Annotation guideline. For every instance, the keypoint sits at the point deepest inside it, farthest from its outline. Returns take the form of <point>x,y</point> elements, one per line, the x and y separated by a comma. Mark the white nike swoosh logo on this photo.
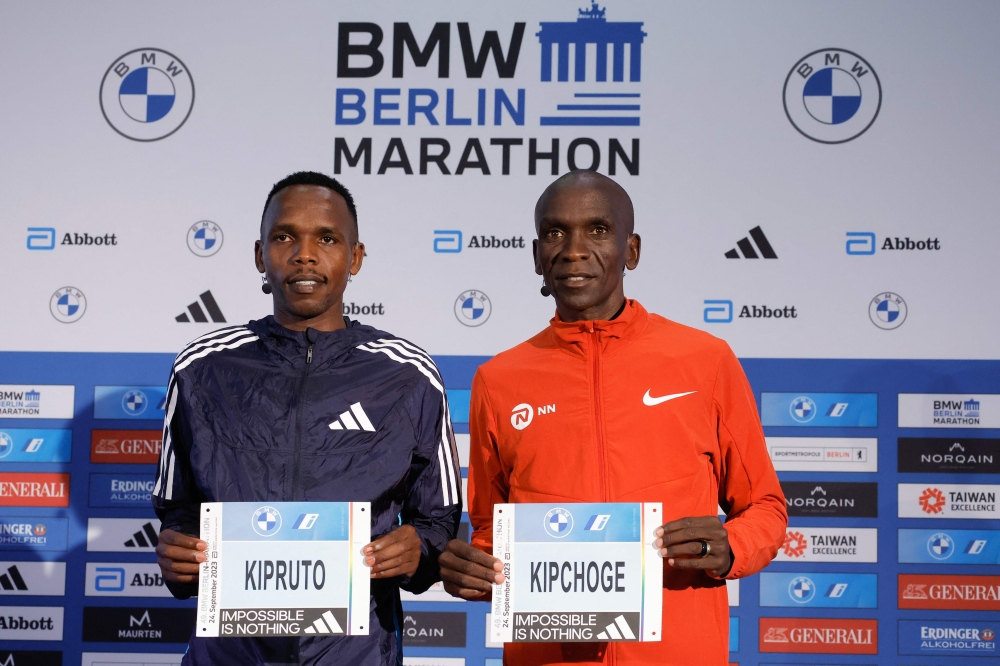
<point>650,401</point>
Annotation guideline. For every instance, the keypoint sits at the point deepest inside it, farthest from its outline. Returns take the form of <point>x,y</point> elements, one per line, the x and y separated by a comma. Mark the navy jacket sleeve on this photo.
<point>176,497</point>
<point>434,495</point>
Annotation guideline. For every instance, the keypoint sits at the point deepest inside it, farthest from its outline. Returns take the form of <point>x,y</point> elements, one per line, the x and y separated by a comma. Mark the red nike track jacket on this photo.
<point>600,431</point>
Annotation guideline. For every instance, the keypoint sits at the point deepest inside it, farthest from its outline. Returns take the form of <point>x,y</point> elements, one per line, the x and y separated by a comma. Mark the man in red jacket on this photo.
<point>611,403</point>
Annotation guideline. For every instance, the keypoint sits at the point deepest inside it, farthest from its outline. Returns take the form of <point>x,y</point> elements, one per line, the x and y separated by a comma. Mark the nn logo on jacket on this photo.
<point>353,419</point>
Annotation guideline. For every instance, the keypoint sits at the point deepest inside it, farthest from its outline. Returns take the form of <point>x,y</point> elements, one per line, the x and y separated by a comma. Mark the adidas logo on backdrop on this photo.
<point>747,248</point>
<point>198,314</point>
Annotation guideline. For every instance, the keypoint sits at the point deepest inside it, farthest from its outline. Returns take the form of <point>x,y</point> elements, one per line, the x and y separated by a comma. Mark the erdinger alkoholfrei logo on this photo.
<point>887,310</point>
<point>832,95</point>
<point>940,546</point>
<point>558,522</point>
<point>147,94</point>
<point>68,305</point>
<point>473,308</point>
<point>266,521</point>
<point>204,238</point>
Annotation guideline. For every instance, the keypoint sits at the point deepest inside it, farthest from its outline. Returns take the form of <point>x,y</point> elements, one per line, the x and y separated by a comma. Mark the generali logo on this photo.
<point>34,489</point>
<point>125,446</point>
<point>949,592</point>
<point>818,636</point>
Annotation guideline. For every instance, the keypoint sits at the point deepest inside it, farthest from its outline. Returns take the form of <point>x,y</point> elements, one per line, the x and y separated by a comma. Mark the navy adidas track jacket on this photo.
<point>262,413</point>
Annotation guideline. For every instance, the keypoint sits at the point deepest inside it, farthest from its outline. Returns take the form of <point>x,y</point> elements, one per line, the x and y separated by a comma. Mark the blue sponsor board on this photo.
<point>33,533</point>
<point>617,522</point>
<point>819,590</point>
<point>830,410</point>
<point>734,634</point>
<point>34,445</point>
<point>949,546</point>
<point>114,490</point>
<point>286,521</point>
<point>130,402</point>
<point>972,638</point>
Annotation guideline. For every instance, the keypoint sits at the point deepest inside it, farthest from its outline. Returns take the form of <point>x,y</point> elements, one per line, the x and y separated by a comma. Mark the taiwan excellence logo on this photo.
<point>68,305</point>
<point>802,409</point>
<point>204,238</point>
<point>266,521</point>
<point>832,96</point>
<point>887,310</point>
<point>147,94</point>
<point>558,522</point>
<point>473,308</point>
<point>932,501</point>
<point>795,544</point>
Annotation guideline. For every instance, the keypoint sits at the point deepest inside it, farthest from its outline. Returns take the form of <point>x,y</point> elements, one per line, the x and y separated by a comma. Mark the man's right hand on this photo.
<point>179,556</point>
<point>468,573</point>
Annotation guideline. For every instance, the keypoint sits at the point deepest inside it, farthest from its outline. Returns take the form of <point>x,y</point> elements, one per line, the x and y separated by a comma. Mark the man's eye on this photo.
<point>600,230</point>
<point>329,239</point>
<point>282,237</point>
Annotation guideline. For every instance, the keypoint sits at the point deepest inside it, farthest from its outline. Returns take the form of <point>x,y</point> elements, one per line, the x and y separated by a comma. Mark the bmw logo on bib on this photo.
<point>802,409</point>
<point>802,590</point>
<point>558,522</point>
<point>266,521</point>
<point>832,96</point>
<point>147,94</point>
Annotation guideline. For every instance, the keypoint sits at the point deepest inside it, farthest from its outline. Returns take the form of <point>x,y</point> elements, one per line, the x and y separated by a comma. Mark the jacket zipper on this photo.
<point>599,413</point>
<point>298,418</point>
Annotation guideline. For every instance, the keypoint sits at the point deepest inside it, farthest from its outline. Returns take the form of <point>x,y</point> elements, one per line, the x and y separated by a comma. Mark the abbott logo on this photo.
<point>41,238</point>
<point>447,241</point>
<point>718,312</point>
<point>521,415</point>
<point>860,242</point>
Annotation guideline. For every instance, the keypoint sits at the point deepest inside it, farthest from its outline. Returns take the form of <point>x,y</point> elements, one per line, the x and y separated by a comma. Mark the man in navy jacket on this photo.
<point>306,405</point>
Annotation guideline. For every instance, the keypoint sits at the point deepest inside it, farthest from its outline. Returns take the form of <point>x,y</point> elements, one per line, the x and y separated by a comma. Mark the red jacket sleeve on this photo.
<point>749,491</point>
<point>488,480</point>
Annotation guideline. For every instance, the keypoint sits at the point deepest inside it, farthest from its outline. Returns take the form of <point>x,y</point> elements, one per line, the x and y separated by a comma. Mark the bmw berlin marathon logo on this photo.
<point>832,96</point>
<point>204,238</point>
<point>68,305</point>
<point>558,523</point>
<point>472,308</point>
<point>887,310</point>
<point>266,521</point>
<point>147,94</point>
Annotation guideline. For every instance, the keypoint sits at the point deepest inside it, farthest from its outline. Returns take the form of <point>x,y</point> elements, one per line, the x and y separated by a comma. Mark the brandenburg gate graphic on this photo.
<point>591,27</point>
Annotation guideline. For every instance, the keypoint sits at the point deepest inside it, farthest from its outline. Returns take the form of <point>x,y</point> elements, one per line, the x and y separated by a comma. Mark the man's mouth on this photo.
<point>574,278</point>
<point>305,284</point>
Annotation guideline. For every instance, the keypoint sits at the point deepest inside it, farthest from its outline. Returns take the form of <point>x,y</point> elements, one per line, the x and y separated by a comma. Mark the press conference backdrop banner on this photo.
<point>815,183</point>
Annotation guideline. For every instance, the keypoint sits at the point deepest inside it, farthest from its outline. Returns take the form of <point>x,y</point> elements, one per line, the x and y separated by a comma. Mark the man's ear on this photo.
<point>534,255</point>
<point>634,249</point>
<point>258,255</point>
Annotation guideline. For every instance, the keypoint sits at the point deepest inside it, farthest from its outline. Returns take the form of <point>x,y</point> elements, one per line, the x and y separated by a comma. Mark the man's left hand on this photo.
<point>395,554</point>
<point>681,543</point>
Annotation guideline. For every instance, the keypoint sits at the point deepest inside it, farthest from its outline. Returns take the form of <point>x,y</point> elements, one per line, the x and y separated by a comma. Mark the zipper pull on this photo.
<point>309,355</point>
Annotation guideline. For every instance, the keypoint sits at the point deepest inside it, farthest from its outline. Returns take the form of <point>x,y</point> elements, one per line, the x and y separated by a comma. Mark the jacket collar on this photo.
<point>578,336</point>
<point>292,345</point>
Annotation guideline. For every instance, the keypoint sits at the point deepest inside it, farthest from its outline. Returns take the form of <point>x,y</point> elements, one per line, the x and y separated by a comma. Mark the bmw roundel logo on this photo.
<point>204,238</point>
<point>6,444</point>
<point>832,95</point>
<point>134,402</point>
<point>473,308</point>
<point>802,589</point>
<point>147,94</point>
<point>266,521</point>
<point>68,305</point>
<point>558,522</point>
<point>802,409</point>
<point>887,310</point>
<point>940,546</point>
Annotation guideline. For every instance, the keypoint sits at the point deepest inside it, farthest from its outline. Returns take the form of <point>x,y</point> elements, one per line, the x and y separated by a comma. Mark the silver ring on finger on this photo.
<point>706,548</point>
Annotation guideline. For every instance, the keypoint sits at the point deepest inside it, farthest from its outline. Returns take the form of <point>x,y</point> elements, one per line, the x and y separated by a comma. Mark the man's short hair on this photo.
<point>311,178</point>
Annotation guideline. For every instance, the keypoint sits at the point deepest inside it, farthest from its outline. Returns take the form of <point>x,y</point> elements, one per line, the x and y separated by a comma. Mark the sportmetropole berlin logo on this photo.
<point>147,94</point>
<point>832,96</point>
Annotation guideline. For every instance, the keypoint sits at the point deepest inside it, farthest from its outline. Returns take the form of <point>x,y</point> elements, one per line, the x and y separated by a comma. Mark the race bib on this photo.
<point>577,573</point>
<point>284,569</point>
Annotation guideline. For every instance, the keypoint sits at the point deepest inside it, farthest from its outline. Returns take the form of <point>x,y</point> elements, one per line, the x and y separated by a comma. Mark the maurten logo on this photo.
<point>144,538</point>
<point>353,419</point>
<point>68,305</point>
<point>558,522</point>
<point>747,248</point>
<point>887,310</point>
<point>204,238</point>
<point>198,314</point>
<point>832,96</point>
<point>266,521</point>
<point>147,94</point>
<point>473,308</point>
